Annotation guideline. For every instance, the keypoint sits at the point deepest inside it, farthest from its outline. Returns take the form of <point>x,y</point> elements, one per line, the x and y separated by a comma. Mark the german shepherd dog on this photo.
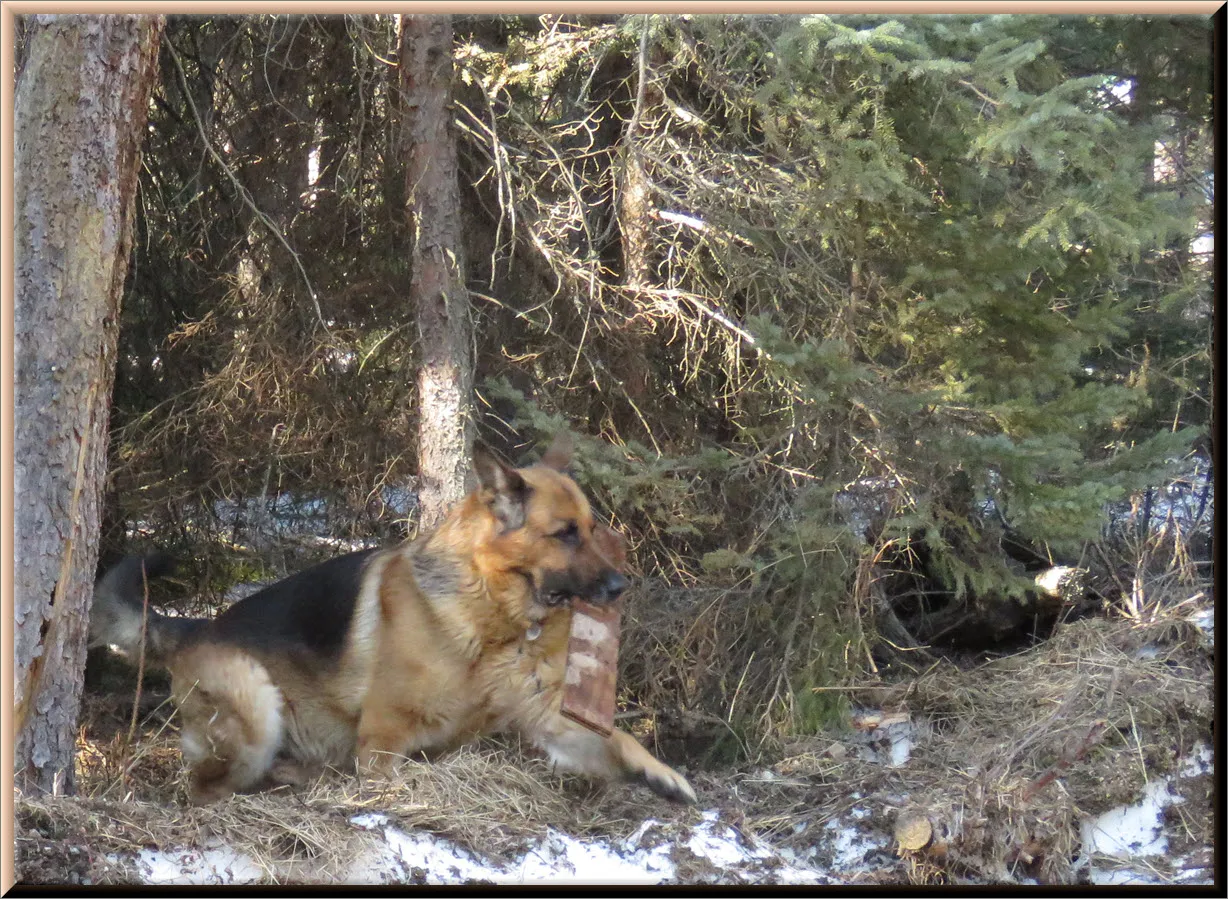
<point>378,654</point>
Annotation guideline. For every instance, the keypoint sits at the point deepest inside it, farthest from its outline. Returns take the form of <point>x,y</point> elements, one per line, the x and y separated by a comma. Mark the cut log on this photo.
<point>1061,582</point>
<point>913,831</point>
<point>919,831</point>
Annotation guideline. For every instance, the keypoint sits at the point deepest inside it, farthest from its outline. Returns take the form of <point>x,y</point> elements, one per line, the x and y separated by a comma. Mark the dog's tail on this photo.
<point>119,613</point>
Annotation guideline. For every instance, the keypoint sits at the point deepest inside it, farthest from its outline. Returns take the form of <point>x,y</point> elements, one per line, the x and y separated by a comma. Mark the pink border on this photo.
<point>7,34</point>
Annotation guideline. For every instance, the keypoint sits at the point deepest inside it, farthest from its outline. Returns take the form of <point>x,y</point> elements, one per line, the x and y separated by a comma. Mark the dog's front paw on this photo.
<point>293,773</point>
<point>206,792</point>
<point>667,782</point>
<point>376,764</point>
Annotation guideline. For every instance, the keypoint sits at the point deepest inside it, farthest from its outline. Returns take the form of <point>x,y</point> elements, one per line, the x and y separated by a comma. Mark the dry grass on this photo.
<point>489,798</point>
<point>1013,753</point>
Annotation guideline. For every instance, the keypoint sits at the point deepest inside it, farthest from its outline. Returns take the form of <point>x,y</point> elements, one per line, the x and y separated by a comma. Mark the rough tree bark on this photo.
<point>437,286</point>
<point>80,113</point>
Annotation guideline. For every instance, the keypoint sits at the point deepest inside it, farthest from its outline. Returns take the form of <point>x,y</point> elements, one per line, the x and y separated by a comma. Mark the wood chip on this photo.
<point>591,674</point>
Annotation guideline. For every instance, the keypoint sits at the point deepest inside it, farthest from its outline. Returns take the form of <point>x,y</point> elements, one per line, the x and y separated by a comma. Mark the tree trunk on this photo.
<point>634,199</point>
<point>437,286</point>
<point>80,115</point>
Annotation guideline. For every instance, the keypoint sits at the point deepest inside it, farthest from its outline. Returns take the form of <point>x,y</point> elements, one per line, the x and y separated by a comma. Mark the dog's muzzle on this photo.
<point>607,590</point>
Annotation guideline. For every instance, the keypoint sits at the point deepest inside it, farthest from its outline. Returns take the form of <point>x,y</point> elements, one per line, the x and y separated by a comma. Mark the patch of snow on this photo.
<point>1197,762</point>
<point>1204,620</point>
<point>1126,845</point>
<point>901,748</point>
<point>722,849</point>
<point>850,845</point>
<point>1132,830</point>
<point>1132,834</point>
<point>427,858</point>
<point>562,859</point>
<point>558,858</point>
<point>340,544</point>
<point>214,864</point>
<point>411,856</point>
<point>842,848</point>
<point>721,845</point>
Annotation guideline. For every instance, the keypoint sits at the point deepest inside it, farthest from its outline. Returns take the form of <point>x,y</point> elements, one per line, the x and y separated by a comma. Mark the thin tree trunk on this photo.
<point>633,211</point>
<point>437,286</point>
<point>80,114</point>
<point>634,199</point>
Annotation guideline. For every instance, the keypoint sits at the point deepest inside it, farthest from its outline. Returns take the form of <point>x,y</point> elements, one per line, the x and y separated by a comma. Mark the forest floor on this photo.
<point>1085,759</point>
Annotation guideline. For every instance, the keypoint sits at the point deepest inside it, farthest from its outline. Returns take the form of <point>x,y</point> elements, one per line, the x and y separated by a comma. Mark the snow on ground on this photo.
<point>651,855</point>
<point>1126,845</point>
<point>1204,620</point>
<point>1123,845</point>
<point>213,864</point>
<point>561,859</point>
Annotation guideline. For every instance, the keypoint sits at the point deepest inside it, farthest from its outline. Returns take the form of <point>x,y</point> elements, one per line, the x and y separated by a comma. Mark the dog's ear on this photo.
<point>507,492</point>
<point>558,456</point>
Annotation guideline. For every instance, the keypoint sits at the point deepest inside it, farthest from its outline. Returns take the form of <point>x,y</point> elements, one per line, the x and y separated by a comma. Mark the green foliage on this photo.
<point>995,198</point>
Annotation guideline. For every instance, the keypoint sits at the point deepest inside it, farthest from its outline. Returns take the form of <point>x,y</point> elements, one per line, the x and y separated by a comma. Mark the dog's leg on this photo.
<point>231,719</point>
<point>386,735</point>
<point>578,749</point>
<point>294,772</point>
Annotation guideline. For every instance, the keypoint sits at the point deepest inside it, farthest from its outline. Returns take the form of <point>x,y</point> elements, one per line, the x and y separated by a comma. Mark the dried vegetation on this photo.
<point>1009,757</point>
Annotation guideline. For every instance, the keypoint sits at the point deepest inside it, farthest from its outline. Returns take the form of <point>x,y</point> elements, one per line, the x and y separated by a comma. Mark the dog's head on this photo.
<point>544,529</point>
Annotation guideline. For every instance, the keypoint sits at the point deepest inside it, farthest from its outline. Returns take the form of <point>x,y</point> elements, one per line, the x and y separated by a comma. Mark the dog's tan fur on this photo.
<point>453,635</point>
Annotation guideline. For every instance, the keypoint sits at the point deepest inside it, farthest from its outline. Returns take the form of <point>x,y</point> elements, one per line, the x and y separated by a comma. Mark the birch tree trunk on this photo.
<point>437,286</point>
<point>80,114</point>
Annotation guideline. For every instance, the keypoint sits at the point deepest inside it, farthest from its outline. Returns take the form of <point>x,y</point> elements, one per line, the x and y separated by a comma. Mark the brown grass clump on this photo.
<point>1019,749</point>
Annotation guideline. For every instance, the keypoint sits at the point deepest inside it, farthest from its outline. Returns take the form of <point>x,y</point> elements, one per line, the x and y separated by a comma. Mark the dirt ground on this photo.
<point>1023,769</point>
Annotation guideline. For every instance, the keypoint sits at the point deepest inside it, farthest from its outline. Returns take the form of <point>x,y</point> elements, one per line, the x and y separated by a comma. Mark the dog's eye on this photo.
<point>569,535</point>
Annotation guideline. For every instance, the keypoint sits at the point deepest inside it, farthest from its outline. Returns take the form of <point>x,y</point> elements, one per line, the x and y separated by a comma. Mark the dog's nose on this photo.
<point>615,584</point>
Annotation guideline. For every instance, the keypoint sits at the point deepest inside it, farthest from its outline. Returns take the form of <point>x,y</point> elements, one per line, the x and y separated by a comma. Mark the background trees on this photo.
<point>865,319</point>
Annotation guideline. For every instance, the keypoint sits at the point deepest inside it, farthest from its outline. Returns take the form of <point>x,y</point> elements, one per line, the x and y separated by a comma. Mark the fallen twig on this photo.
<point>1089,740</point>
